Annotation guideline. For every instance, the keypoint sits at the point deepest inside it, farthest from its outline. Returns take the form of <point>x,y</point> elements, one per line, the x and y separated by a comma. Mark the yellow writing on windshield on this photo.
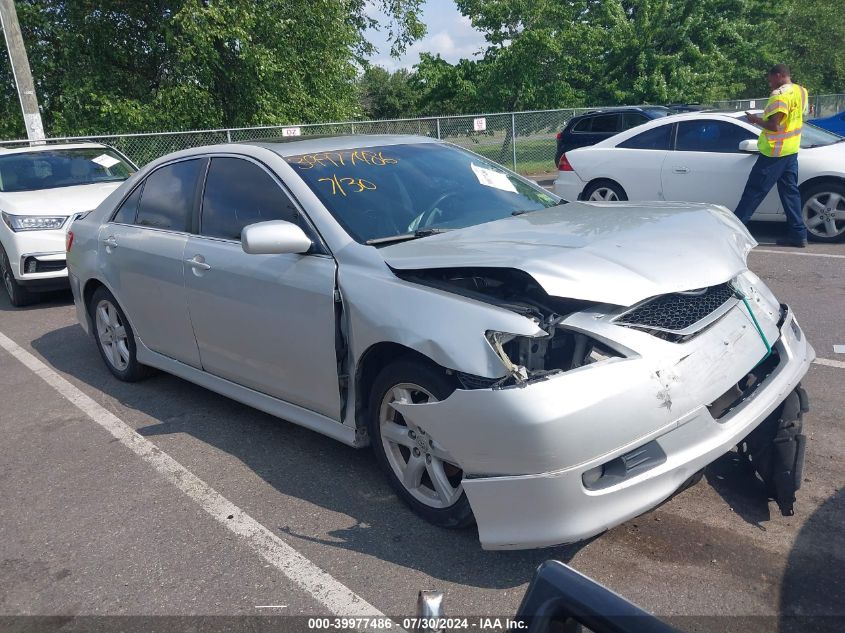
<point>353,185</point>
<point>341,159</point>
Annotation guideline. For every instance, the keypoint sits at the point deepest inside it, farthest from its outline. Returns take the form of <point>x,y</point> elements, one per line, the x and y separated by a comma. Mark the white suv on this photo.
<point>42,189</point>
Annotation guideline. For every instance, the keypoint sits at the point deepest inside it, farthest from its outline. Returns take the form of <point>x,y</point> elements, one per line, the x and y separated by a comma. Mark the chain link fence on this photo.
<point>820,105</point>
<point>524,141</point>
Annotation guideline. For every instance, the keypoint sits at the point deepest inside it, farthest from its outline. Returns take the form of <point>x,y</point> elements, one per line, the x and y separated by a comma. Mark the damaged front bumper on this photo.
<point>563,459</point>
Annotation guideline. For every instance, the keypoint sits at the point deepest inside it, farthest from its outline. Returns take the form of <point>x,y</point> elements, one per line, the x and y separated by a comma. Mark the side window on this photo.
<point>168,197</point>
<point>606,124</point>
<point>709,135</point>
<point>583,125</point>
<point>632,119</point>
<point>657,138</point>
<point>127,211</point>
<point>238,193</point>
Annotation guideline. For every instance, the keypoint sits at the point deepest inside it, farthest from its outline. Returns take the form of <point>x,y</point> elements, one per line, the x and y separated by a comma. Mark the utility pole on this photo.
<point>21,71</point>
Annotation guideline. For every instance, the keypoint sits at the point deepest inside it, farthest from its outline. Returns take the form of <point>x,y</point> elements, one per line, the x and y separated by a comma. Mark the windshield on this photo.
<point>384,192</point>
<point>811,136</point>
<point>48,169</point>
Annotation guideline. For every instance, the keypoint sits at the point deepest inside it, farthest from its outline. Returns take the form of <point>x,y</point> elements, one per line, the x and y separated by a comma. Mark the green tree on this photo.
<point>122,65</point>
<point>444,88</point>
<point>540,54</point>
<point>582,52</point>
<point>386,95</point>
<point>811,44</point>
<point>691,50</point>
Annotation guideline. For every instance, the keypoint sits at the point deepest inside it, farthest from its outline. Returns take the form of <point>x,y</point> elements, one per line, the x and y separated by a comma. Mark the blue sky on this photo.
<point>449,33</point>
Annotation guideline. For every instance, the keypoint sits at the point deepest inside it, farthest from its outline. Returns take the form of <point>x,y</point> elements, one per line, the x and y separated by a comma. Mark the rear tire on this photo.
<point>823,211</point>
<point>18,295</point>
<point>604,191</point>
<point>115,338</point>
<point>419,469</point>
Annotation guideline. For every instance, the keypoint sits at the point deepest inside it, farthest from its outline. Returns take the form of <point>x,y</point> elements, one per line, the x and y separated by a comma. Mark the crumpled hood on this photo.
<point>57,201</point>
<point>604,252</point>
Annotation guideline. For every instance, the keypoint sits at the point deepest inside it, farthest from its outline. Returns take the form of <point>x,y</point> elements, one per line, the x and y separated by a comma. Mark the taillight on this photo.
<point>559,135</point>
<point>68,241</point>
<point>563,164</point>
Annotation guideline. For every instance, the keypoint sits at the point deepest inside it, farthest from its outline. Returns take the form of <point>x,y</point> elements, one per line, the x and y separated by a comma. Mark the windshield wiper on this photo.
<point>524,211</point>
<point>405,236</point>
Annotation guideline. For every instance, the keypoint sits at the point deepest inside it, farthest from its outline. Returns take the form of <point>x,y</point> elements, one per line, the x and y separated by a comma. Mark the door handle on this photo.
<point>681,170</point>
<point>196,262</point>
<point>110,241</point>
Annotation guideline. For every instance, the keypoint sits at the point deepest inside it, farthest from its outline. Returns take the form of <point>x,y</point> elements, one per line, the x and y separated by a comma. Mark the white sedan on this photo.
<point>706,157</point>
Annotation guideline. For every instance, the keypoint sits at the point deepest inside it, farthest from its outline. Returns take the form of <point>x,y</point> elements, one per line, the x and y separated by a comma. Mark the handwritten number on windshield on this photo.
<point>337,159</point>
<point>355,185</point>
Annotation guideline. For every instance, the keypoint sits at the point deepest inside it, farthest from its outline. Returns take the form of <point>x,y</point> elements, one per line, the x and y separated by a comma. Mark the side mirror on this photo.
<point>748,145</point>
<point>275,237</point>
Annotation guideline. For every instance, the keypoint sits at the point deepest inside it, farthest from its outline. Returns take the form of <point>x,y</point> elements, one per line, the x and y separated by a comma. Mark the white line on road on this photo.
<point>786,252</point>
<point>336,596</point>
<point>830,363</point>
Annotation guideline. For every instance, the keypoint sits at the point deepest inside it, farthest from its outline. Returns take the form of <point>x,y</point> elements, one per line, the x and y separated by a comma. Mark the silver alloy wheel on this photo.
<point>425,468</point>
<point>604,194</point>
<point>824,214</point>
<point>111,334</point>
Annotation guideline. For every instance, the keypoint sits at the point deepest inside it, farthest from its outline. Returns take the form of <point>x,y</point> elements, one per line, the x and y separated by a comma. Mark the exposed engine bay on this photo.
<point>525,358</point>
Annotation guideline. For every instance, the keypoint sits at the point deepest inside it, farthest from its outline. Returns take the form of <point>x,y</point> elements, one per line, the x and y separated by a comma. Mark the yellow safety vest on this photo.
<point>791,100</point>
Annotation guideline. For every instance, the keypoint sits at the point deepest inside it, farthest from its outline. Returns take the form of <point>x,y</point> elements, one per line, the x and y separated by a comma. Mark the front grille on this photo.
<point>678,311</point>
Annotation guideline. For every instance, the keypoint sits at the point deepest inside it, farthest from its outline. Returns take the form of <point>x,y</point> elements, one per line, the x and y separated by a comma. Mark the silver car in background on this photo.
<point>547,370</point>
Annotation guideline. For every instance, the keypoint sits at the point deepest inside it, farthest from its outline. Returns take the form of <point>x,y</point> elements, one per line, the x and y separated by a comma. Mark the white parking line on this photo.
<point>786,252</point>
<point>321,586</point>
<point>830,363</point>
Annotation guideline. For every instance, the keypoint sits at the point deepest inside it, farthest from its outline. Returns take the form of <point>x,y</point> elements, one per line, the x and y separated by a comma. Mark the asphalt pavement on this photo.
<point>216,509</point>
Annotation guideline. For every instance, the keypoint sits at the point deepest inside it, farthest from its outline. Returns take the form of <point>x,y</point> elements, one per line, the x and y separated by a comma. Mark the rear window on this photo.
<point>657,138</point>
<point>49,169</point>
<point>632,119</point>
<point>605,124</point>
<point>168,197</point>
<point>583,125</point>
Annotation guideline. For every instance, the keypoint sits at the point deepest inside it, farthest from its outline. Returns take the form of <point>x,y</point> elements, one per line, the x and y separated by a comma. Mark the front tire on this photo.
<point>419,469</point>
<point>823,211</point>
<point>18,295</point>
<point>115,338</point>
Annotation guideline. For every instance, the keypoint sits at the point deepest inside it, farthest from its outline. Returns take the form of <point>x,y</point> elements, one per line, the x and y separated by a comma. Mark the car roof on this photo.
<point>292,146</point>
<point>46,147</point>
<point>613,109</point>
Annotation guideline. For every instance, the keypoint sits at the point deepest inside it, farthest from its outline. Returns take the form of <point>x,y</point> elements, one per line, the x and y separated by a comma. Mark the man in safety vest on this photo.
<point>778,161</point>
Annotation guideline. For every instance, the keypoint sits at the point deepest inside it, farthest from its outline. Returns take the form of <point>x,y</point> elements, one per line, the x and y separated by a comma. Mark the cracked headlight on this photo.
<point>33,222</point>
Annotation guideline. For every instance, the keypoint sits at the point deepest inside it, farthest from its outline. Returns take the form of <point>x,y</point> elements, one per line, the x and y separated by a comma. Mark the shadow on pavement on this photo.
<point>44,300</point>
<point>741,489</point>
<point>812,596</point>
<point>304,465</point>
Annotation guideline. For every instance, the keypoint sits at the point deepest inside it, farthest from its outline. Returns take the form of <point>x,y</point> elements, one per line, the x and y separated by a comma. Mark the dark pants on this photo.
<point>765,173</point>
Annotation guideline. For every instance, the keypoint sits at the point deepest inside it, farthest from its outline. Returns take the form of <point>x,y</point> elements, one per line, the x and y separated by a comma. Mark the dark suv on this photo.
<point>596,125</point>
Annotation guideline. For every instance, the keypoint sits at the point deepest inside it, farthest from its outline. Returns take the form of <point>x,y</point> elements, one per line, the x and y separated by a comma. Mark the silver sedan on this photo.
<point>546,370</point>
